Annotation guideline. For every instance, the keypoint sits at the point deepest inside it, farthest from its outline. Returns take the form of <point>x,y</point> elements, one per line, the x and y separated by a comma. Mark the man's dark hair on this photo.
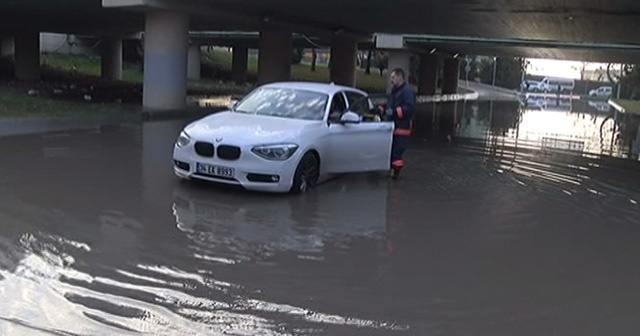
<point>399,72</point>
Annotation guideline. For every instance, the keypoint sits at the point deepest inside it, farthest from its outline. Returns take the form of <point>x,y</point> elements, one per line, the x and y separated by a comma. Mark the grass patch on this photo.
<point>19,105</point>
<point>60,70</point>
<point>86,65</point>
<point>372,82</point>
<point>630,106</point>
<point>220,60</point>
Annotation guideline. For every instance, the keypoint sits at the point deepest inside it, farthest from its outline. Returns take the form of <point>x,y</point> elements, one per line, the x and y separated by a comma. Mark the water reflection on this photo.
<point>546,123</point>
<point>243,227</point>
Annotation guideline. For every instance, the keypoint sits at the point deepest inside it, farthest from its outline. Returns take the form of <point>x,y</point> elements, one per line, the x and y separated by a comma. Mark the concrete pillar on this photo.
<point>27,56</point>
<point>111,58</point>
<point>166,44</point>
<point>274,62</point>
<point>6,46</point>
<point>450,75</point>
<point>399,59</point>
<point>239,63</point>
<point>194,62</point>
<point>343,62</point>
<point>428,74</point>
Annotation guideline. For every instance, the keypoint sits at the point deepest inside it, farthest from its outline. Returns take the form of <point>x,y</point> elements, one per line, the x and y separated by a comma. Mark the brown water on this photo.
<point>527,223</point>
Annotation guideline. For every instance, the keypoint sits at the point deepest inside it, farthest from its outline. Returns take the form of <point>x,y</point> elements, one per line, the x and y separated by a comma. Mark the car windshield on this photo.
<point>285,102</point>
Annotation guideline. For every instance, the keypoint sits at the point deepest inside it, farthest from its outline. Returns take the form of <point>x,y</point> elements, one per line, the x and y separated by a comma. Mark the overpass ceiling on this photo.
<point>615,21</point>
<point>567,20</point>
<point>631,56</point>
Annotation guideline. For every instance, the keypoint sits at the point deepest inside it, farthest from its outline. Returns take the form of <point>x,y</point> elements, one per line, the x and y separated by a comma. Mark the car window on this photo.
<point>284,102</point>
<point>338,106</point>
<point>358,103</point>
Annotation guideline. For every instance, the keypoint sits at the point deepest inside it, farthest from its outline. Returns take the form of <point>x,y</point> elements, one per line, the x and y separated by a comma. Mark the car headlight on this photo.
<point>183,139</point>
<point>279,152</point>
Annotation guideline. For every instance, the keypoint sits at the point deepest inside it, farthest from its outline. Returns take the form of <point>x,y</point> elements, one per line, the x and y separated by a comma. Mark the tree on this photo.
<point>509,70</point>
<point>296,57</point>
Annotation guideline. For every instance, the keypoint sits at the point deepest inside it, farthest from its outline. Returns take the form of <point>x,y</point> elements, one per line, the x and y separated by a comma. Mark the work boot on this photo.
<point>394,172</point>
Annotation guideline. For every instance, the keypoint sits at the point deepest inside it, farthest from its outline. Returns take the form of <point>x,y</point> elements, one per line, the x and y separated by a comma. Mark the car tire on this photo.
<point>306,175</point>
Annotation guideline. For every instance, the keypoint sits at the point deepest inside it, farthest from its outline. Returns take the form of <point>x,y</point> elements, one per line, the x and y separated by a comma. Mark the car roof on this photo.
<point>328,88</point>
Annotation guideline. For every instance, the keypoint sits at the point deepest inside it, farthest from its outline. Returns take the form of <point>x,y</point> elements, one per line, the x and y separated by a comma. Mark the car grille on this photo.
<point>227,152</point>
<point>204,149</point>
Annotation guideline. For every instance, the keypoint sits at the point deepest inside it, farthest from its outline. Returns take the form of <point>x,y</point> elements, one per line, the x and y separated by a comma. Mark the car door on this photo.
<point>361,147</point>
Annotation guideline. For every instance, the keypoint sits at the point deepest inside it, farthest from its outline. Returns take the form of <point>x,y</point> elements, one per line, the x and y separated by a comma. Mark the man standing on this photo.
<point>400,109</point>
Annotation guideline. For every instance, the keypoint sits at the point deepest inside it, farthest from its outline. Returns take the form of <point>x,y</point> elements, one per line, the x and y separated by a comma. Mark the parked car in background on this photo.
<point>529,85</point>
<point>603,91</point>
<point>556,85</point>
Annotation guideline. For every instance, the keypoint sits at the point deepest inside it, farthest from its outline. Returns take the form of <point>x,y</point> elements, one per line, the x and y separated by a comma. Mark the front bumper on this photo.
<point>250,171</point>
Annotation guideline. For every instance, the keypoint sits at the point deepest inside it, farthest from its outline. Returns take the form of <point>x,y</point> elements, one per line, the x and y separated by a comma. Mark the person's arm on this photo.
<point>407,107</point>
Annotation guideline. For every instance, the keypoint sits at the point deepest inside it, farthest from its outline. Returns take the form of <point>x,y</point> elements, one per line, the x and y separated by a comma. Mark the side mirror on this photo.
<point>350,118</point>
<point>232,104</point>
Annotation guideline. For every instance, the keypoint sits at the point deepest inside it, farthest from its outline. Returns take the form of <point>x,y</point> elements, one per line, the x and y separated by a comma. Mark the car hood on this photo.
<point>247,128</point>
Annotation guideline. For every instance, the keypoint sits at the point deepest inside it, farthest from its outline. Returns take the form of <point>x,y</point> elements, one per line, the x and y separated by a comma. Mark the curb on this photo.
<point>28,126</point>
<point>31,126</point>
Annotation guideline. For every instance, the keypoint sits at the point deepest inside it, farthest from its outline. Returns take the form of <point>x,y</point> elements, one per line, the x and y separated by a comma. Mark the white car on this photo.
<point>286,137</point>
<point>603,91</point>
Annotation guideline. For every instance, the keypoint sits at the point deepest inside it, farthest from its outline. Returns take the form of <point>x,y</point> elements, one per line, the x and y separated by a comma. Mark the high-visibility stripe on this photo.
<point>398,163</point>
<point>400,112</point>
<point>402,131</point>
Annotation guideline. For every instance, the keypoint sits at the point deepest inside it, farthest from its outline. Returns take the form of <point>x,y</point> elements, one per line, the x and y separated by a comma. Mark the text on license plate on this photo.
<point>215,170</point>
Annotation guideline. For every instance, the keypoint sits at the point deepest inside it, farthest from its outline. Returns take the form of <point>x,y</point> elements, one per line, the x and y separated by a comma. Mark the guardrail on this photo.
<point>616,106</point>
<point>376,99</point>
<point>436,99</point>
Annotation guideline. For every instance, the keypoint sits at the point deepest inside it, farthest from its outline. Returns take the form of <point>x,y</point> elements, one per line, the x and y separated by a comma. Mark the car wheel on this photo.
<point>306,175</point>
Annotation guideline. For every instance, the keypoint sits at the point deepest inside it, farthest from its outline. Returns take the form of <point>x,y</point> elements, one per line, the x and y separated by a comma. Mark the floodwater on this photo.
<point>526,223</point>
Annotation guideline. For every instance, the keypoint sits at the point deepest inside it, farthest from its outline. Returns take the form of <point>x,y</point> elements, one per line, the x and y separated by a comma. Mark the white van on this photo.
<point>556,85</point>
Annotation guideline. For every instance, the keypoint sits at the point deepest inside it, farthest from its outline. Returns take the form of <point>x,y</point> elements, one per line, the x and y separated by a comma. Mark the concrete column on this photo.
<point>343,62</point>
<point>27,56</point>
<point>450,75</point>
<point>194,62</point>
<point>399,59</point>
<point>166,44</point>
<point>240,63</point>
<point>428,74</point>
<point>274,62</point>
<point>7,47</point>
<point>111,58</point>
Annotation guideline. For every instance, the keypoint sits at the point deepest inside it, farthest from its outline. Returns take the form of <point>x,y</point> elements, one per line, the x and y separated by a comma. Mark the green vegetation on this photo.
<point>19,105</point>
<point>221,59</point>
<point>83,70</point>
<point>85,65</point>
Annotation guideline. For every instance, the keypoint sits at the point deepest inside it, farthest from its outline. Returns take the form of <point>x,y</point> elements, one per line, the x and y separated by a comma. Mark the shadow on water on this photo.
<point>525,223</point>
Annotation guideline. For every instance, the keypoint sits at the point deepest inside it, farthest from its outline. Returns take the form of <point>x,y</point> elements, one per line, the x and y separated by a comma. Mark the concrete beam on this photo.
<point>194,63</point>
<point>240,63</point>
<point>428,74</point>
<point>27,56</point>
<point>451,73</point>
<point>220,13</point>
<point>7,46</point>
<point>274,61</point>
<point>398,59</point>
<point>165,60</point>
<point>111,58</point>
<point>343,62</point>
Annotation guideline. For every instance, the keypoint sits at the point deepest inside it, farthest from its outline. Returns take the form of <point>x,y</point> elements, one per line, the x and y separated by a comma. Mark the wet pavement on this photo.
<point>526,223</point>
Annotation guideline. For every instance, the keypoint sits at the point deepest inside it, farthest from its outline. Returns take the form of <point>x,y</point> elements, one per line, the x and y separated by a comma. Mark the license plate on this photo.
<point>212,170</point>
